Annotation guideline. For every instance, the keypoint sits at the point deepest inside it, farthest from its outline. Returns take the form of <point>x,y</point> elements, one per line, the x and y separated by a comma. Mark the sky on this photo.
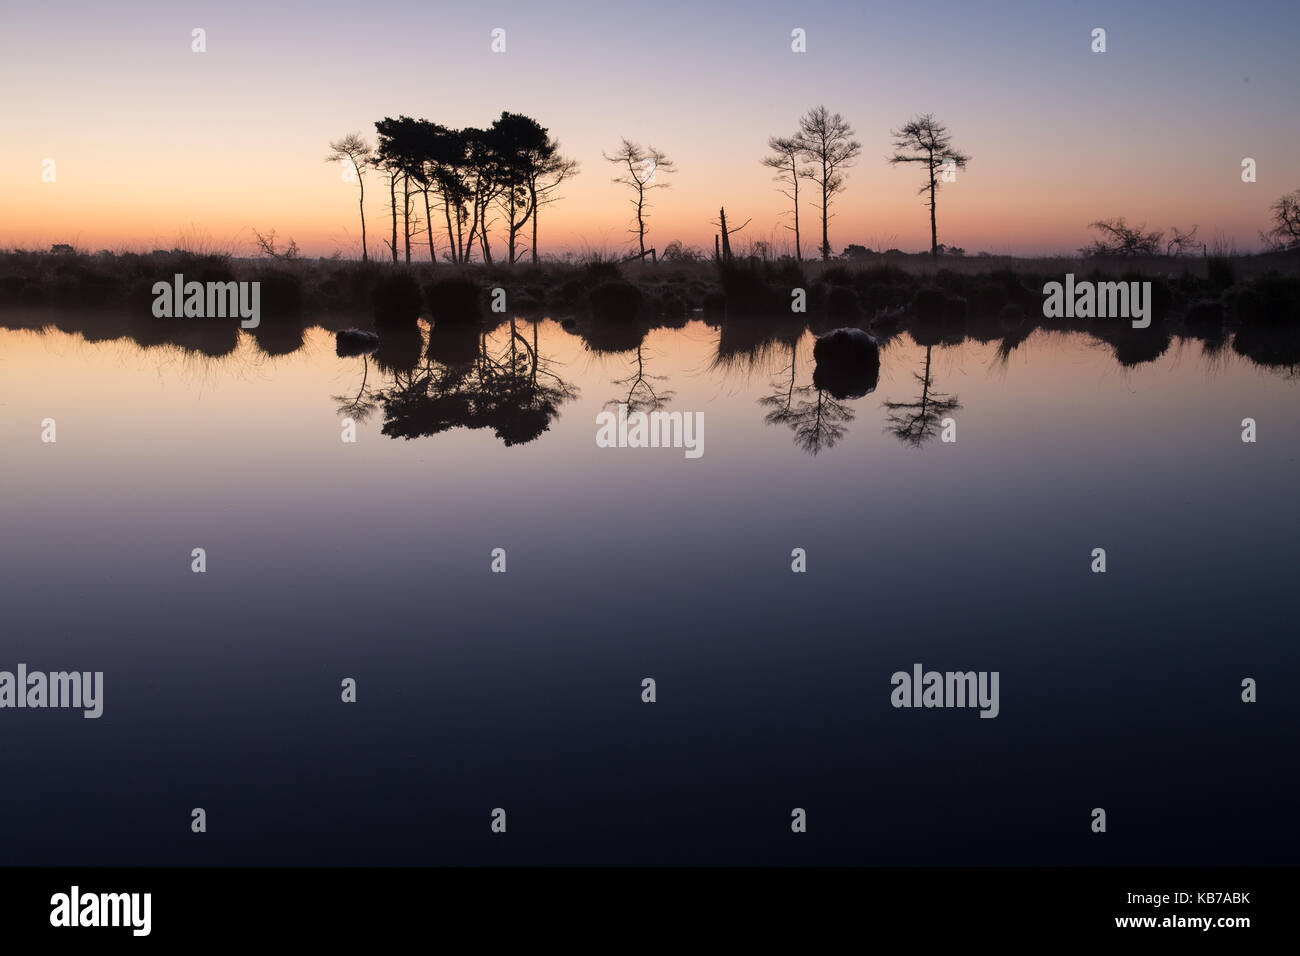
<point>156,146</point>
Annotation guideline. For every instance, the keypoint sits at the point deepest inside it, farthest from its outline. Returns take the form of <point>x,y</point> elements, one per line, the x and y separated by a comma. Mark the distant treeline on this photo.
<point>501,176</point>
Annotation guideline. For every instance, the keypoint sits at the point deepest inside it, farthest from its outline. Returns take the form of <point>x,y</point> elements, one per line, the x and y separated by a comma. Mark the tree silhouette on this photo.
<point>544,172</point>
<point>354,149</point>
<point>445,161</point>
<point>484,184</point>
<point>1285,232</point>
<point>393,174</point>
<point>476,175</point>
<point>640,167</point>
<point>545,176</point>
<point>927,141</point>
<point>398,154</point>
<point>1183,242</point>
<point>1118,238</point>
<point>520,144</point>
<point>825,141</point>
<point>437,155</point>
<point>785,160</point>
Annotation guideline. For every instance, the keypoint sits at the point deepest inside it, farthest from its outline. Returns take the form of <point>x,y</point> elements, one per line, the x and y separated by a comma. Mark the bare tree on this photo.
<point>785,160</point>
<point>545,179</point>
<point>824,140</point>
<point>1182,242</point>
<point>724,254</point>
<point>926,140</point>
<point>1285,233</point>
<point>640,167</point>
<point>1118,238</point>
<point>266,247</point>
<point>353,148</point>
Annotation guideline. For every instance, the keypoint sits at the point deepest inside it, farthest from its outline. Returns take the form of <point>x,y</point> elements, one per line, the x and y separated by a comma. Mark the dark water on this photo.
<point>522,690</point>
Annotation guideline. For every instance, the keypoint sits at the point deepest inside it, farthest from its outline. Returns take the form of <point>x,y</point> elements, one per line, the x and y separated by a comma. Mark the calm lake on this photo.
<point>522,690</point>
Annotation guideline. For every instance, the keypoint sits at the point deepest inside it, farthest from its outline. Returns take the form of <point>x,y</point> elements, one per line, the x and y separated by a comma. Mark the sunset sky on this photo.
<point>156,146</point>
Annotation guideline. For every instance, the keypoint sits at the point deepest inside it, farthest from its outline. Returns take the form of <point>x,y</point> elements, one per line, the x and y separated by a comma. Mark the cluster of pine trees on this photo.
<point>480,180</point>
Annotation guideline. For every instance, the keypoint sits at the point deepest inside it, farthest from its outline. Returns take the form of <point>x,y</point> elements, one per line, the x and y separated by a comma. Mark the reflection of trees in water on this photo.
<point>754,343</point>
<point>915,423</point>
<point>507,387</point>
<point>362,404</point>
<point>817,419</point>
<point>781,400</point>
<point>642,394</point>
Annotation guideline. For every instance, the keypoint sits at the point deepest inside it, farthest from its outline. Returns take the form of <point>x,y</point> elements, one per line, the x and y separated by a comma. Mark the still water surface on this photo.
<point>522,690</point>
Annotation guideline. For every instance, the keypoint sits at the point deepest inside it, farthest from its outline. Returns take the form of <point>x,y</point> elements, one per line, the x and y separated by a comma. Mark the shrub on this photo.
<point>1220,271</point>
<point>930,303</point>
<point>599,270</point>
<point>837,275</point>
<point>614,299</point>
<point>1280,298</point>
<point>281,294</point>
<point>455,299</point>
<point>841,303</point>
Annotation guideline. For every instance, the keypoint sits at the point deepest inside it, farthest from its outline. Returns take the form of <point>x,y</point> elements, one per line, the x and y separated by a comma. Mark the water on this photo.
<point>522,690</point>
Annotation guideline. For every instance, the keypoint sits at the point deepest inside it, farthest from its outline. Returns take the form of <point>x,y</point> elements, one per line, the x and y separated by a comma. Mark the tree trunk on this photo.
<point>511,228</point>
<point>428,223</point>
<point>640,220</point>
<point>532,196</point>
<point>794,176</point>
<point>362,183</point>
<point>451,239</point>
<point>934,230</point>
<point>460,235</point>
<point>406,214</point>
<point>392,196</point>
<point>473,230</point>
<point>483,240</point>
<point>826,205</point>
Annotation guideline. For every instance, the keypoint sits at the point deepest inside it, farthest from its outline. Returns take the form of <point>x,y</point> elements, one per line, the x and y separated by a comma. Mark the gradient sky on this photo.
<point>158,146</point>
